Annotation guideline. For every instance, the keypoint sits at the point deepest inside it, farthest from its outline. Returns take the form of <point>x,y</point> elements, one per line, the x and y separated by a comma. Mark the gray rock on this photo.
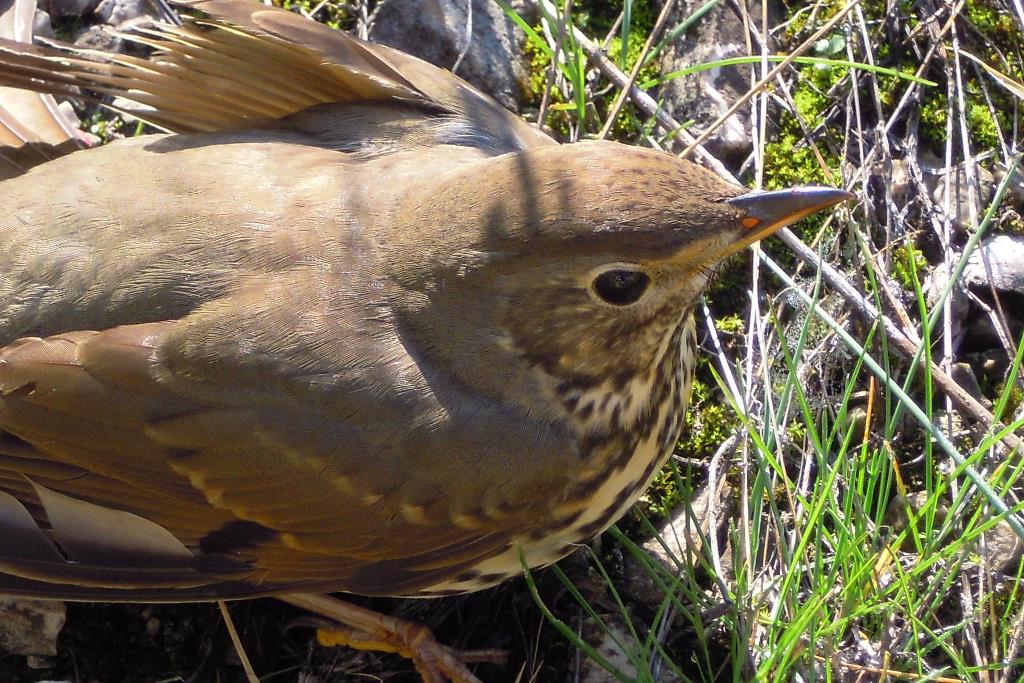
<point>38,663</point>
<point>62,9</point>
<point>704,96</point>
<point>963,374</point>
<point>99,38</point>
<point>435,30</point>
<point>678,543</point>
<point>934,174</point>
<point>1002,548</point>
<point>608,637</point>
<point>123,13</point>
<point>1005,257</point>
<point>1015,188</point>
<point>30,627</point>
<point>41,26</point>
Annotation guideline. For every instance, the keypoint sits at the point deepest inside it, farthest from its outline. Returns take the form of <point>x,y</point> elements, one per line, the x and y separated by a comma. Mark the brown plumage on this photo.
<point>353,326</point>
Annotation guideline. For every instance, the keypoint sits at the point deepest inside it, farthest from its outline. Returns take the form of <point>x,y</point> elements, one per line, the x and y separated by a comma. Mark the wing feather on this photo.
<point>240,492</point>
<point>33,129</point>
<point>246,64</point>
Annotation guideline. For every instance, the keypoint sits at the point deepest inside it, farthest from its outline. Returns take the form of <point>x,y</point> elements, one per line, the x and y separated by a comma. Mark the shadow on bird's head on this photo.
<point>585,258</point>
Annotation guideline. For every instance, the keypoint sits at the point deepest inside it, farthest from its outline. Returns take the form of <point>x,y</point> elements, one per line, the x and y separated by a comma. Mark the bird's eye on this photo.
<point>621,287</point>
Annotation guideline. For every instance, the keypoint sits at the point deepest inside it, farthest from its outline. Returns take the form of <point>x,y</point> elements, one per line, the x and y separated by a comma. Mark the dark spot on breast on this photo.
<point>621,379</point>
<point>626,493</point>
<point>653,465</point>
<point>577,383</point>
<point>586,411</point>
<point>667,434</point>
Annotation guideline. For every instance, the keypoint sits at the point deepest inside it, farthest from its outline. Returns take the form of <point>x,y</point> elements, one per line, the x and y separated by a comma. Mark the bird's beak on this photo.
<point>762,213</point>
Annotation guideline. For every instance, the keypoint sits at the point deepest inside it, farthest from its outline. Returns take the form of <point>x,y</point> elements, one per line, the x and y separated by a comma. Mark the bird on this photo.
<point>346,325</point>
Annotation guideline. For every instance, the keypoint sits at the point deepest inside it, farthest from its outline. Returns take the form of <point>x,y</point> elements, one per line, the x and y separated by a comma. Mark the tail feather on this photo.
<point>33,128</point>
<point>246,63</point>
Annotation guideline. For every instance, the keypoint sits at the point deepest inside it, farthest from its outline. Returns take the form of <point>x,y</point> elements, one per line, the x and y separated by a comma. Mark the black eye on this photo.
<point>621,287</point>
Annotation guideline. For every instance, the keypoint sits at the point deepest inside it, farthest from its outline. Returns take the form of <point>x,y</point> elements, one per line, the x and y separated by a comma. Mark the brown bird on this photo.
<point>351,327</point>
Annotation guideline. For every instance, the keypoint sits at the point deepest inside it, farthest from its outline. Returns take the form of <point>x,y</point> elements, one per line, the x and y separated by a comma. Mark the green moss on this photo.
<point>982,125</point>
<point>788,162</point>
<point>627,124</point>
<point>933,118</point>
<point>556,118</point>
<point>730,324</point>
<point>798,23</point>
<point>105,126</point>
<point>1013,223</point>
<point>334,14</point>
<point>810,97</point>
<point>797,432</point>
<point>788,159</point>
<point>907,263</point>
<point>993,21</point>
<point>891,88</point>
<point>709,422</point>
<point>1013,403</point>
<point>598,16</point>
<point>595,18</point>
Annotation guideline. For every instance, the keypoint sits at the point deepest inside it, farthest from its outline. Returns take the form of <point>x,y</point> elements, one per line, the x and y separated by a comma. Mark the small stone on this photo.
<point>935,284</point>
<point>30,627</point>
<point>607,638</point>
<point>99,38</point>
<point>37,663</point>
<point>123,13</point>
<point>41,25</point>
<point>1005,257</point>
<point>935,174</point>
<point>131,111</point>
<point>1003,548</point>
<point>1015,188</point>
<point>677,544</point>
<point>435,30</point>
<point>963,374</point>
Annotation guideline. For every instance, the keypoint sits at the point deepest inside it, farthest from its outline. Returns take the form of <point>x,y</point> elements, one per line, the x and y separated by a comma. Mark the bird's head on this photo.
<point>577,260</point>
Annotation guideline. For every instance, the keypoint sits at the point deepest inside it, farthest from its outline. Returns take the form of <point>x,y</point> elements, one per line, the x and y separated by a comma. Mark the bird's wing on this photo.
<point>194,419</point>
<point>280,437</point>
<point>243,64</point>
<point>33,129</point>
<point>245,403</point>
